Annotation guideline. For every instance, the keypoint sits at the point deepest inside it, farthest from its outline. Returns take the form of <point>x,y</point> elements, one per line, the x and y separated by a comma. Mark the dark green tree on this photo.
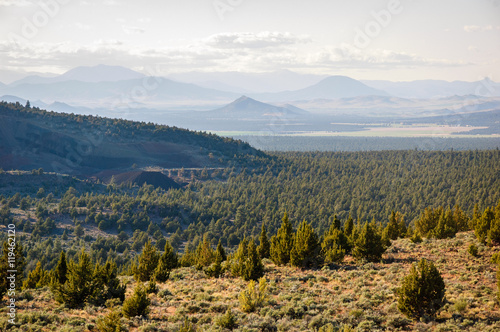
<point>137,304</point>
<point>61,269</point>
<point>282,242</point>
<point>147,264</point>
<point>422,291</point>
<point>246,262</point>
<point>306,249</point>
<point>369,244</point>
<point>167,262</point>
<point>37,278</point>
<point>107,284</point>
<point>483,225</point>
<point>264,248</point>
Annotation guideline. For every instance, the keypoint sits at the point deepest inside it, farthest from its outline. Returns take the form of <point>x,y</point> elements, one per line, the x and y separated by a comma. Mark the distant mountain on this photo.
<point>88,145</point>
<point>246,82</point>
<point>95,74</point>
<point>332,87</point>
<point>437,88</point>
<point>115,94</point>
<point>248,108</point>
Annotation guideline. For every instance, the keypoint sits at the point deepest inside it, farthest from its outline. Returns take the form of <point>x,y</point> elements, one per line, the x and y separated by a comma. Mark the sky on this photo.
<point>398,40</point>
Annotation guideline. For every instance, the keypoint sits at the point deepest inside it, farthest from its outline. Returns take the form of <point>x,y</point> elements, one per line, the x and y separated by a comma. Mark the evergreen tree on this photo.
<point>7,263</point>
<point>205,255</point>
<point>246,262</point>
<point>305,251</point>
<point>334,246</point>
<point>148,262</point>
<point>422,291</point>
<point>369,243</point>
<point>446,226</point>
<point>107,284</point>
<point>167,262</point>
<point>391,231</point>
<point>348,230</point>
<point>61,269</point>
<point>220,252</point>
<point>137,304</point>
<point>37,278</point>
<point>483,225</point>
<point>282,242</point>
<point>264,247</point>
<point>80,286</point>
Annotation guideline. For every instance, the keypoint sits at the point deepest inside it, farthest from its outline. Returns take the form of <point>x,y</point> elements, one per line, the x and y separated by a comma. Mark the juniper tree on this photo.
<point>281,243</point>
<point>305,251</point>
<point>264,247</point>
<point>37,278</point>
<point>107,284</point>
<point>137,304</point>
<point>246,261</point>
<point>166,263</point>
<point>334,246</point>
<point>61,269</point>
<point>422,291</point>
<point>80,285</point>
<point>147,264</point>
<point>204,254</point>
<point>483,225</point>
<point>7,263</point>
<point>369,244</point>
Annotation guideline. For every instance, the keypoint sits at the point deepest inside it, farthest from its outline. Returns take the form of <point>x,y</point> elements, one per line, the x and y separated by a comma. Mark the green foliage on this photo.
<point>10,251</point>
<point>148,262</point>
<point>215,269</point>
<point>472,250</point>
<point>137,304</point>
<point>80,285</point>
<point>422,291</point>
<point>111,323</point>
<point>227,321</point>
<point>306,249</point>
<point>37,278</point>
<point>335,243</point>
<point>205,255</point>
<point>264,248</point>
<point>369,244</point>
<point>246,262</point>
<point>107,284</point>
<point>187,326</point>
<point>61,269</point>
<point>282,242</point>
<point>166,263</point>
<point>254,296</point>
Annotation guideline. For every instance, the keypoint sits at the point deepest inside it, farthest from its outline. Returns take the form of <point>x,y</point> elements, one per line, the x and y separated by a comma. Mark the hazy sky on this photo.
<point>389,39</point>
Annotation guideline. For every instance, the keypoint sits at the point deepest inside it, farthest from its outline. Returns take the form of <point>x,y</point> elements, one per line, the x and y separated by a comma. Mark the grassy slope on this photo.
<point>362,296</point>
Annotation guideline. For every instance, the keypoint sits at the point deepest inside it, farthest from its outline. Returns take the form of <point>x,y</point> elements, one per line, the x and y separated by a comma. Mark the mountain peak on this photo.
<point>100,73</point>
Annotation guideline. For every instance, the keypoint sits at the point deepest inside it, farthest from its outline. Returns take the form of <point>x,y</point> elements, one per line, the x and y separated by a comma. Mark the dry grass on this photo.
<point>362,296</point>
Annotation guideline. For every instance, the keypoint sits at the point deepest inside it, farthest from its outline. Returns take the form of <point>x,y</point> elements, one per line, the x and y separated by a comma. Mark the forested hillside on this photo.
<point>85,145</point>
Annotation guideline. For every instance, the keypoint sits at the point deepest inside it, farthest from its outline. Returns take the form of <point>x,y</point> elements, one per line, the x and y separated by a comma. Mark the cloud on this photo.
<point>15,3</point>
<point>258,40</point>
<point>131,29</point>
<point>476,28</point>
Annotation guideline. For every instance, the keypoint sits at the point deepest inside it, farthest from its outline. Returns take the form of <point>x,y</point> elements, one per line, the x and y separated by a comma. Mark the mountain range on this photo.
<point>115,87</point>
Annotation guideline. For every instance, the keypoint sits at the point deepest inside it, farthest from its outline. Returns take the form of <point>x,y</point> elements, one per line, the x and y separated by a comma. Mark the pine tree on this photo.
<point>305,251</point>
<point>167,262</point>
<point>264,247</point>
<point>422,291</point>
<point>334,246</point>
<point>246,262</point>
<point>137,304</point>
<point>205,255</point>
<point>107,284</point>
<point>369,243</point>
<point>148,261</point>
<point>483,225</point>
<point>37,278</point>
<point>391,231</point>
<point>348,231</point>
<point>61,269</point>
<point>220,252</point>
<point>80,286</point>
<point>282,242</point>
<point>7,263</point>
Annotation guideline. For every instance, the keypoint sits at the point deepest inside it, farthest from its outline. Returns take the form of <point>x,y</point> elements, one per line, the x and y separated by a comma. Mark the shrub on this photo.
<point>110,323</point>
<point>137,304</point>
<point>253,297</point>
<point>227,321</point>
<point>422,291</point>
<point>472,250</point>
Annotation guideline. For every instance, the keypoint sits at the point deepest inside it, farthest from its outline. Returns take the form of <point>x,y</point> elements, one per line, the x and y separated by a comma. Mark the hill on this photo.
<point>99,73</point>
<point>84,145</point>
<point>245,107</point>
<point>329,88</point>
<point>156,179</point>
